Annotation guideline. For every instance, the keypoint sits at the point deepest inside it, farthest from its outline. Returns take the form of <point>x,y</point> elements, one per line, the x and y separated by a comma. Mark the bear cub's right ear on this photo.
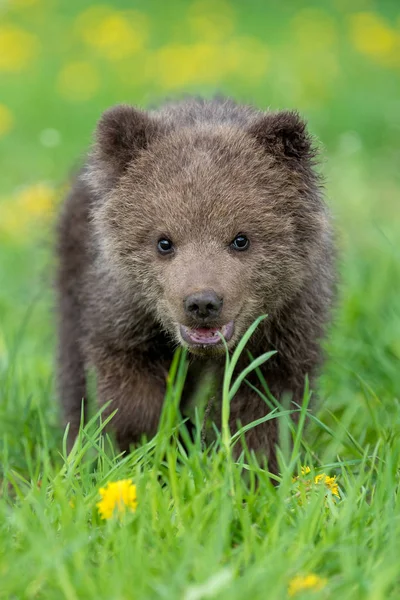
<point>122,132</point>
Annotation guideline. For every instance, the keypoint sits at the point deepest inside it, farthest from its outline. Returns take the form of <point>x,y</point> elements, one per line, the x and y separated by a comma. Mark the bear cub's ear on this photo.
<point>122,132</point>
<point>284,134</point>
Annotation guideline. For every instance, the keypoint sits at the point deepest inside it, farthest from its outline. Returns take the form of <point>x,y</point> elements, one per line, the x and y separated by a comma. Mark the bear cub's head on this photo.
<point>206,225</point>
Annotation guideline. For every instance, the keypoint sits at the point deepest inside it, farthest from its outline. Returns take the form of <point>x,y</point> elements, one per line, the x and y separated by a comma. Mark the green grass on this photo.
<point>205,526</point>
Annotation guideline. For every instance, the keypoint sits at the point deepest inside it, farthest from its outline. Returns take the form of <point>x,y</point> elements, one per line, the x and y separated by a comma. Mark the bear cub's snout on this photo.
<point>203,307</point>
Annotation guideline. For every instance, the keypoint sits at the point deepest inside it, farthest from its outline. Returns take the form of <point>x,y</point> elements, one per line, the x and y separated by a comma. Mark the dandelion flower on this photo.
<point>117,498</point>
<point>301,583</point>
<point>17,48</point>
<point>372,35</point>
<point>113,34</point>
<point>30,206</point>
<point>36,200</point>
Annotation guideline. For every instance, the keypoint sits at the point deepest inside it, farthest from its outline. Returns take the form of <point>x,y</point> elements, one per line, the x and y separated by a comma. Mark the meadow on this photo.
<point>194,524</point>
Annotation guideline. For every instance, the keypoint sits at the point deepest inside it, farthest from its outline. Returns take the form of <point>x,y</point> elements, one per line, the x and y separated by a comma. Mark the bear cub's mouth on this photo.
<point>206,336</point>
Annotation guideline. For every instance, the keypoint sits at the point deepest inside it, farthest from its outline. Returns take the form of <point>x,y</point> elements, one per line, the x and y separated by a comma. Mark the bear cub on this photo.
<point>188,222</point>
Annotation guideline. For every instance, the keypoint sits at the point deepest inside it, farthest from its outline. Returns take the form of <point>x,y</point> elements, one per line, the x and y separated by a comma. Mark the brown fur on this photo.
<point>197,172</point>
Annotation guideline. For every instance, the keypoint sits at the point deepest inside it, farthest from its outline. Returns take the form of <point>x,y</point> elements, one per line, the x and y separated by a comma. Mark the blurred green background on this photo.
<point>337,62</point>
<point>62,63</point>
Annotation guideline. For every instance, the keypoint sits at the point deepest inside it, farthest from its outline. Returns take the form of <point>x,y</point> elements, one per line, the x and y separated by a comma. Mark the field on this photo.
<point>204,526</point>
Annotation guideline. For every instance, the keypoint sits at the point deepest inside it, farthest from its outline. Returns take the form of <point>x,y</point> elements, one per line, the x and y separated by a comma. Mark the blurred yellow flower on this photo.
<point>180,65</point>
<point>307,484</point>
<point>111,33</point>
<point>310,582</point>
<point>371,35</point>
<point>116,498</point>
<point>21,212</point>
<point>329,482</point>
<point>6,120</point>
<point>211,20</point>
<point>78,81</point>
<point>36,200</point>
<point>17,48</point>
<point>177,65</point>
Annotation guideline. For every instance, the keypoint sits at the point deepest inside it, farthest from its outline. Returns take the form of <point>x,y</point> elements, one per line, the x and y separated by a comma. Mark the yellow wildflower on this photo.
<point>111,33</point>
<point>180,65</point>
<point>28,206</point>
<point>322,479</point>
<point>304,471</point>
<point>17,48</point>
<point>371,35</point>
<point>117,497</point>
<point>6,120</point>
<point>330,483</point>
<point>36,200</point>
<point>310,582</point>
<point>78,81</point>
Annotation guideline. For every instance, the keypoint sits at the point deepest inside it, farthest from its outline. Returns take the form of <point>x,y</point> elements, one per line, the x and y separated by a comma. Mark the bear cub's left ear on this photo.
<point>284,134</point>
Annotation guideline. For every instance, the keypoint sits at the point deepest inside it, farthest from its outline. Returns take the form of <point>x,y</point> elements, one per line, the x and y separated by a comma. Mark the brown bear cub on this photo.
<point>186,223</point>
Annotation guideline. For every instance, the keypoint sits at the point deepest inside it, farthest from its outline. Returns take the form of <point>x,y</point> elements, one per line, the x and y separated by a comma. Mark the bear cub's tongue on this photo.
<point>207,335</point>
<point>203,334</point>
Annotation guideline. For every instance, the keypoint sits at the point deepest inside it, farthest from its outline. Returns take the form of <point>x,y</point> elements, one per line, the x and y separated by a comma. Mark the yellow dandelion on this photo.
<point>29,206</point>
<point>179,65</point>
<point>36,200</point>
<point>371,35</point>
<point>78,81</point>
<point>113,34</point>
<point>116,498</point>
<point>310,582</point>
<point>6,120</point>
<point>17,48</point>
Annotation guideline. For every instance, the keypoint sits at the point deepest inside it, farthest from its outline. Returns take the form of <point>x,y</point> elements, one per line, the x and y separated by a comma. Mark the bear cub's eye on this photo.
<point>241,242</point>
<point>165,246</point>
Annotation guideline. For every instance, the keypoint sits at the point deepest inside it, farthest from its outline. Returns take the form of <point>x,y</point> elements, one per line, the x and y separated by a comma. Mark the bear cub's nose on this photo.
<point>203,306</point>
